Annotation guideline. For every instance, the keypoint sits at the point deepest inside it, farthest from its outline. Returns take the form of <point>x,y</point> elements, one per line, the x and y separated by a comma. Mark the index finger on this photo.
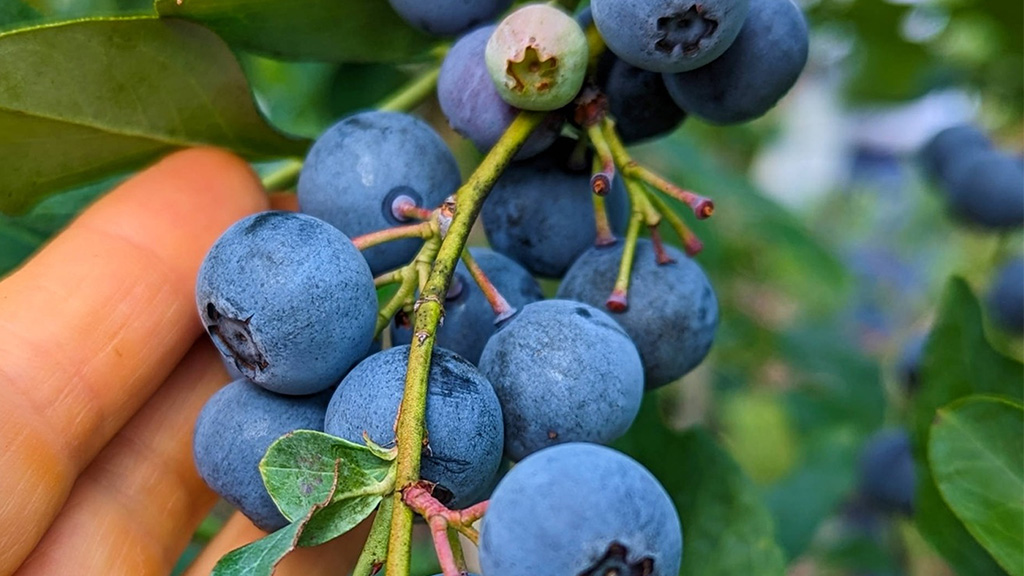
<point>97,320</point>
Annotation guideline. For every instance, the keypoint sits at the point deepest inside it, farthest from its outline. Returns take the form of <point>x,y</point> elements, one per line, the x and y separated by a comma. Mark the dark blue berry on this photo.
<point>637,100</point>
<point>234,430</point>
<point>463,419</point>
<point>985,188</point>
<point>564,372</point>
<point>580,510</point>
<point>672,313</point>
<point>751,76</point>
<point>289,300</point>
<point>887,475</point>
<point>942,150</point>
<point>669,35</point>
<point>541,215</point>
<point>469,319</point>
<point>359,168</point>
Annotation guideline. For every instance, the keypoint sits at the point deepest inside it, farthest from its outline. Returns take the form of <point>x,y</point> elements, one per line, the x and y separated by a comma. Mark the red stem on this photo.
<point>502,309</point>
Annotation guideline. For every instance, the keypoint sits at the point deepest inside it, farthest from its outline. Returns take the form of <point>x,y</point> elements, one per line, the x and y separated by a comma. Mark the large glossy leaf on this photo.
<point>16,12</point>
<point>976,454</point>
<point>958,362</point>
<point>726,527</point>
<point>328,30</point>
<point>86,99</point>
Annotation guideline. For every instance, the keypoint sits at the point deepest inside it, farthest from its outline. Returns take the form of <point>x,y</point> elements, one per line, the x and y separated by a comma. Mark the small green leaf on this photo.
<point>338,518</point>
<point>726,527</point>
<point>85,99</point>
<point>326,30</point>
<point>958,361</point>
<point>260,557</point>
<point>976,454</point>
<point>301,468</point>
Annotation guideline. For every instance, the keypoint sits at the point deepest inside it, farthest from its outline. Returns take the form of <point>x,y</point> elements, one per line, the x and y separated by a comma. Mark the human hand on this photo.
<point>104,367</point>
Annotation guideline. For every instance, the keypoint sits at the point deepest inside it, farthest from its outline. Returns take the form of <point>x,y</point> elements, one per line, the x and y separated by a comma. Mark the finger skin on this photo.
<point>96,321</point>
<point>331,559</point>
<point>142,491</point>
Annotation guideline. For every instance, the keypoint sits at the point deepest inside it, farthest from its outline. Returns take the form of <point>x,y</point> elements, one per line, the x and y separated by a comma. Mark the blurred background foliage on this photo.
<point>829,252</point>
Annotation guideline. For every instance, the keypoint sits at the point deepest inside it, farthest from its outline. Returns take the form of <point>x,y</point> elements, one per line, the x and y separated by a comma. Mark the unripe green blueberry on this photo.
<point>537,58</point>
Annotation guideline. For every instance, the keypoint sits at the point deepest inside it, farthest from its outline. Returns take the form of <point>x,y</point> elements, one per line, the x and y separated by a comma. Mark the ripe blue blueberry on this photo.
<point>985,188</point>
<point>464,431</point>
<point>941,152</point>
<point>469,319</point>
<point>637,99</point>
<point>751,76</point>
<point>669,35</point>
<point>541,214</point>
<point>233,432</point>
<point>672,313</point>
<point>361,168</point>
<point>582,510</point>
<point>289,299</point>
<point>448,17</point>
<point>564,372</point>
<point>887,475</point>
<point>472,104</point>
<point>1006,297</point>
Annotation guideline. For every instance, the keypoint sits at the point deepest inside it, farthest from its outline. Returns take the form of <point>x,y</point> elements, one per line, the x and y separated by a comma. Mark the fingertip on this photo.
<point>202,188</point>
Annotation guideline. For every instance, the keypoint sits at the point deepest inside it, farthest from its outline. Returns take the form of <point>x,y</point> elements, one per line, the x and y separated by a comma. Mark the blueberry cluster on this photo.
<point>291,299</point>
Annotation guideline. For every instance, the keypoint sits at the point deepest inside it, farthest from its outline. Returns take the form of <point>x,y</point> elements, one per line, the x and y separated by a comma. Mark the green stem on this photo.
<point>284,178</point>
<point>690,242</point>
<point>376,548</point>
<point>413,93</point>
<point>456,544</point>
<point>619,299</point>
<point>469,200</point>
<point>406,292</point>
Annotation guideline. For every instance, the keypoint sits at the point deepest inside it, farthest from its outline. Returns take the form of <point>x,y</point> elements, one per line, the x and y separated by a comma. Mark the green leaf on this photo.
<point>726,527</point>
<point>338,518</point>
<point>21,236</point>
<point>804,499</point>
<point>306,98</point>
<point>976,454</point>
<point>260,557</point>
<point>958,361</point>
<point>327,30</point>
<point>82,100</point>
<point>15,13</point>
<point>301,468</point>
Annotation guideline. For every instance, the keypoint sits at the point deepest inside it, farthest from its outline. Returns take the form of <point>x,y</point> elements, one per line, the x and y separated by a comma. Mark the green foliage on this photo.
<point>976,454</point>
<point>22,235</point>
<point>86,99</point>
<point>305,98</point>
<point>260,557</point>
<point>726,527</point>
<point>958,362</point>
<point>13,12</point>
<point>307,469</point>
<point>324,30</point>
